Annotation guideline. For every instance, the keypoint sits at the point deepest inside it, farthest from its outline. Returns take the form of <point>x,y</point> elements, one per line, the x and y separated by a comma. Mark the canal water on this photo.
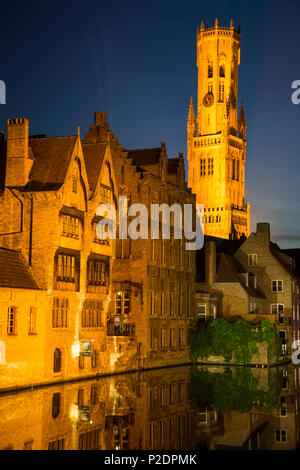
<point>178,408</point>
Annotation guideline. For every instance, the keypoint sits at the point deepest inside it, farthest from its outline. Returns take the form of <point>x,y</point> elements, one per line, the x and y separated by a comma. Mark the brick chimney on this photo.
<point>18,163</point>
<point>99,131</point>
<point>263,233</point>
<point>210,262</point>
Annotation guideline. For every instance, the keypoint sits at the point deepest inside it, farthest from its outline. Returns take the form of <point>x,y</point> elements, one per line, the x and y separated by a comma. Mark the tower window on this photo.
<point>222,71</point>
<point>210,166</point>
<point>210,71</point>
<point>202,167</point>
<point>221,92</point>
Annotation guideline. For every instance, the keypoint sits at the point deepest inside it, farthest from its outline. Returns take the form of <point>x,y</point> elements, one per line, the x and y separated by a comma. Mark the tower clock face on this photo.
<point>208,99</point>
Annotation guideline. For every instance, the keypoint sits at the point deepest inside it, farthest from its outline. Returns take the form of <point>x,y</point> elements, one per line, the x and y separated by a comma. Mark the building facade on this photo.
<point>216,137</point>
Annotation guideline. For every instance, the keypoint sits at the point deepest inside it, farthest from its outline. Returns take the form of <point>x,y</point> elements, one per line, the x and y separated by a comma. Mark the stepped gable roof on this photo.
<point>14,272</point>
<point>51,156</point>
<point>93,158</point>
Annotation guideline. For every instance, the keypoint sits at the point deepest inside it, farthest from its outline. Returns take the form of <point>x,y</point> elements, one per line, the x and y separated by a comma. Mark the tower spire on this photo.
<point>242,124</point>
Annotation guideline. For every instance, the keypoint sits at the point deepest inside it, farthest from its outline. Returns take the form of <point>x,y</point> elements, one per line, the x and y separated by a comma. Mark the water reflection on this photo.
<point>177,408</point>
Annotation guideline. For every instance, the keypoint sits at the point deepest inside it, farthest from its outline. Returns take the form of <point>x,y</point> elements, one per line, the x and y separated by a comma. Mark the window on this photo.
<point>59,444</point>
<point>81,362</point>
<point>70,227</point>
<point>252,259</point>
<point>181,337</point>
<point>222,71</point>
<point>11,321</point>
<point>96,239</point>
<point>94,359</point>
<point>163,341</point>
<point>94,394</point>
<point>57,360</point>
<point>172,338</point>
<point>28,445</point>
<point>60,312</point>
<point>210,88</point>
<point>280,435</point>
<point>210,71</point>
<point>122,301</point>
<point>74,185</point>
<point>89,440</point>
<point>55,405</point>
<point>105,195</point>
<point>221,92</point>
<point>80,397</point>
<point>210,166</point>
<point>96,272</point>
<point>202,311</point>
<point>277,286</point>
<point>278,309</point>
<point>66,268</point>
<point>202,167</point>
<point>283,406</point>
<point>91,314</point>
<point>32,321</point>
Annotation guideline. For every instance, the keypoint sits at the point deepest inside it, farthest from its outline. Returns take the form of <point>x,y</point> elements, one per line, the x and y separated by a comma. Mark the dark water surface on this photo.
<point>182,408</point>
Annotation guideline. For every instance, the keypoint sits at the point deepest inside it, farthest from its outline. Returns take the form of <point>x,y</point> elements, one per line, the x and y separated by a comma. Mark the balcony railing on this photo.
<point>120,329</point>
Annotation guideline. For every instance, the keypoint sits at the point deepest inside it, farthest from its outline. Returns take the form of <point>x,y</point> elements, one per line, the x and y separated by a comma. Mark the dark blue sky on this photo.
<point>62,61</point>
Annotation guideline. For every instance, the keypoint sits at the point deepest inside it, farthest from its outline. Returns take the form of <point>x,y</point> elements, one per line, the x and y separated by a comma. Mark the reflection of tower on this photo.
<point>216,138</point>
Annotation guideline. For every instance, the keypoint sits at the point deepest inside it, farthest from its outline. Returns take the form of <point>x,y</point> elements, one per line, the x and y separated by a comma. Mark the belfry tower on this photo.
<point>216,138</point>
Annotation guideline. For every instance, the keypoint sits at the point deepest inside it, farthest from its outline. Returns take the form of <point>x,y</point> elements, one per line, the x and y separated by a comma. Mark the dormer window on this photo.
<point>105,195</point>
<point>74,185</point>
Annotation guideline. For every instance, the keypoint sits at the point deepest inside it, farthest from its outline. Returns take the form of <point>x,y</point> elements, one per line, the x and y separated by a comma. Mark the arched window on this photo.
<point>222,70</point>
<point>55,405</point>
<point>57,360</point>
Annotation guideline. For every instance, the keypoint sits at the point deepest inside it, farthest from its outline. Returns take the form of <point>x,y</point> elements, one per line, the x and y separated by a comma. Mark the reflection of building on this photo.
<point>111,413</point>
<point>216,138</point>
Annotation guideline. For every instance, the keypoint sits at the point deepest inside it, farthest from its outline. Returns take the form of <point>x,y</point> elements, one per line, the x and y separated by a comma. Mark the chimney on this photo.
<point>100,131</point>
<point>263,233</point>
<point>18,163</point>
<point>210,262</point>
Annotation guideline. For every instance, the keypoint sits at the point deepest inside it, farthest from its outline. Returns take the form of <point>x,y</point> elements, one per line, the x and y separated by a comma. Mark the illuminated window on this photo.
<point>70,226</point>
<point>94,359</point>
<point>252,259</point>
<point>280,435</point>
<point>66,268</point>
<point>91,316</point>
<point>11,321</point>
<point>202,167</point>
<point>59,444</point>
<point>277,286</point>
<point>210,166</point>
<point>32,321</point>
<point>55,405</point>
<point>221,92</point>
<point>122,302</point>
<point>89,440</point>
<point>57,360</point>
<point>96,272</point>
<point>105,195</point>
<point>28,445</point>
<point>278,310</point>
<point>60,312</point>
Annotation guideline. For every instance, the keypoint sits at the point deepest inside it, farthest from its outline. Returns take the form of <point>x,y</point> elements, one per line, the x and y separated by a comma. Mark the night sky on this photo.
<point>61,61</point>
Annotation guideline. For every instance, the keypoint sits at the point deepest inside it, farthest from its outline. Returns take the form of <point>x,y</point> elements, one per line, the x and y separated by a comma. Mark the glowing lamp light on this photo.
<point>74,413</point>
<point>76,349</point>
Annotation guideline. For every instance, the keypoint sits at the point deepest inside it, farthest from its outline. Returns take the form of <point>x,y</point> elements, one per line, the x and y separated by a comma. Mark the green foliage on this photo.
<point>237,341</point>
<point>236,389</point>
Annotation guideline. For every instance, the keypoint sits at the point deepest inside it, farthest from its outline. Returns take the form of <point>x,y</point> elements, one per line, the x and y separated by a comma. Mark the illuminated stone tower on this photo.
<point>216,138</point>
